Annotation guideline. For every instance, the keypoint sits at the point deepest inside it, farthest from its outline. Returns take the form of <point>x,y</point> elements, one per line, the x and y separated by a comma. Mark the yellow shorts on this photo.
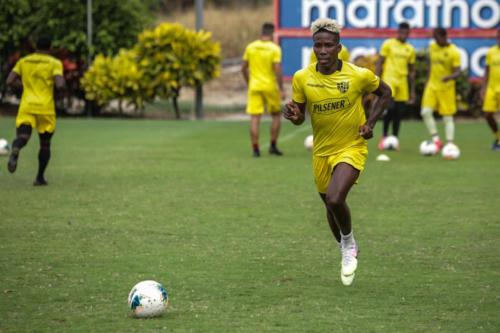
<point>491,101</point>
<point>323,165</point>
<point>258,100</point>
<point>443,101</point>
<point>42,122</point>
<point>400,91</point>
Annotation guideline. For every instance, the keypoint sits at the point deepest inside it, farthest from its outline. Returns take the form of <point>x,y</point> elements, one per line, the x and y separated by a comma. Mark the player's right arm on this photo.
<point>485,82</point>
<point>244,71</point>
<point>295,112</point>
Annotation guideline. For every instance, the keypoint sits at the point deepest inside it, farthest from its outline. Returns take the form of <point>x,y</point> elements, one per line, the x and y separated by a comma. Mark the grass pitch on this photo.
<point>242,244</point>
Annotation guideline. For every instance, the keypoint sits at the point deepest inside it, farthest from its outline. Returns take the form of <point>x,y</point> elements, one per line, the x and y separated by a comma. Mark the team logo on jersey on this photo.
<point>343,86</point>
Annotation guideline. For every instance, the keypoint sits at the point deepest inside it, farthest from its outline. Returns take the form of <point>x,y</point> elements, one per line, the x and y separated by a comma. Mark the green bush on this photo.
<point>163,60</point>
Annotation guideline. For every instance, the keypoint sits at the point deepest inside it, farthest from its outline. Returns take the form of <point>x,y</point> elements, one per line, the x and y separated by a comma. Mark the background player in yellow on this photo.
<point>332,90</point>
<point>262,71</point>
<point>396,66</point>
<point>36,74</point>
<point>439,92</point>
<point>490,92</point>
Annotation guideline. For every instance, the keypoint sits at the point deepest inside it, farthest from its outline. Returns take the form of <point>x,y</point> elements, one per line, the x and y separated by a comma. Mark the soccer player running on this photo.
<point>396,66</point>
<point>261,69</point>
<point>36,74</point>
<point>439,92</point>
<point>490,91</point>
<point>332,90</point>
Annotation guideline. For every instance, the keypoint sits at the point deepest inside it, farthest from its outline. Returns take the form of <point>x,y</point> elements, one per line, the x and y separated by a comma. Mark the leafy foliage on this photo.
<point>164,60</point>
<point>115,25</point>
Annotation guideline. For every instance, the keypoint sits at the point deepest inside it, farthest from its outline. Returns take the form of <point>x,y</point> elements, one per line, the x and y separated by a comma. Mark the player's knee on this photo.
<point>334,200</point>
<point>425,112</point>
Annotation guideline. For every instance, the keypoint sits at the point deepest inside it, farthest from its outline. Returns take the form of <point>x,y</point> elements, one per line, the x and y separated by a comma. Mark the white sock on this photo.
<point>347,239</point>
<point>429,122</point>
<point>449,127</point>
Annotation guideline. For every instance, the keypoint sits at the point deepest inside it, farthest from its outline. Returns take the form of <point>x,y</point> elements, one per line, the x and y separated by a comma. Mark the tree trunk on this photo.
<point>176,107</point>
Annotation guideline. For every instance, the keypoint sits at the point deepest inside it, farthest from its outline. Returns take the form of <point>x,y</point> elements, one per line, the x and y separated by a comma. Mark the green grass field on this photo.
<point>242,244</point>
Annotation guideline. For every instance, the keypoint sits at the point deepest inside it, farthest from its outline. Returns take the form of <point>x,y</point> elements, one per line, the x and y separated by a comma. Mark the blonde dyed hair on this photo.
<point>325,24</point>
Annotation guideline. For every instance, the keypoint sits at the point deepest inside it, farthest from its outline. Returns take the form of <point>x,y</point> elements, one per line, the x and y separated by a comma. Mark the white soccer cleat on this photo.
<point>347,279</point>
<point>349,259</point>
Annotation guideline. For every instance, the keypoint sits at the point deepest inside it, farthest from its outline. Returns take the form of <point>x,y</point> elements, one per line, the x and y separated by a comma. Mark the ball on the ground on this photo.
<point>391,143</point>
<point>450,151</point>
<point>4,147</point>
<point>148,299</point>
<point>309,142</point>
<point>428,148</point>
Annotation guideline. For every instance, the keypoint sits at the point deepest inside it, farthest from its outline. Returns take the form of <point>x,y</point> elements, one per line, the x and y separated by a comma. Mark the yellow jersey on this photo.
<point>261,56</point>
<point>343,55</point>
<point>493,62</point>
<point>398,56</point>
<point>443,60</point>
<point>37,72</point>
<point>335,104</point>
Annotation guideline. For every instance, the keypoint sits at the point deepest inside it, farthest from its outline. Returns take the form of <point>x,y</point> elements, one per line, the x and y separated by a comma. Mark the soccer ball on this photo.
<point>4,147</point>
<point>391,143</point>
<point>428,148</point>
<point>148,299</point>
<point>309,142</point>
<point>450,152</point>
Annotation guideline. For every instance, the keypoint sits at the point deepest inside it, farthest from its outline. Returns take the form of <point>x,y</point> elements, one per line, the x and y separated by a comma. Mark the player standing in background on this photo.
<point>262,71</point>
<point>439,92</point>
<point>332,91</point>
<point>490,92</point>
<point>36,74</point>
<point>396,66</point>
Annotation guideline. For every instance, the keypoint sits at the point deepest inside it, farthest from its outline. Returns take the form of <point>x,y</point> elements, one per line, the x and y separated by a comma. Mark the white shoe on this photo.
<point>349,259</point>
<point>347,279</point>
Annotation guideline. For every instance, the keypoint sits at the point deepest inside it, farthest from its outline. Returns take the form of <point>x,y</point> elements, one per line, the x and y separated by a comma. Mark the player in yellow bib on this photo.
<point>439,92</point>
<point>262,71</point>
<point>396,66</point>
<point>36,74</point>
<point>490,92</point>
<point>332,90</point>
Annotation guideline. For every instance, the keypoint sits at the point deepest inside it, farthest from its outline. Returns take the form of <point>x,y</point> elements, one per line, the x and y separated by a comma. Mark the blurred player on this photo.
<point>439,92</point>
<point>262,71</point>
<point>490,92</point>
<point>36,74</point>
<point>332,90</point>
<point>396,66</point>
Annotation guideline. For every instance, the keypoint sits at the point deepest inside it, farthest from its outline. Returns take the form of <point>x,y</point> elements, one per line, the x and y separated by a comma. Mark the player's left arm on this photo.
<point>384,94</point>
<point>14,81</point>
<point>485,82</point>
<point>453,75</point>
<point>278,72</point>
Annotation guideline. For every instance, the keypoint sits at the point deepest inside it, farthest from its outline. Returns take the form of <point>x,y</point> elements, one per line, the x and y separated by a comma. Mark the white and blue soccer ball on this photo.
<point>391,143</point>
<point>428,148</point>
<point>148,299</point>
<point>4,147</point>
<point>309,142</point>
<point>450,151</point>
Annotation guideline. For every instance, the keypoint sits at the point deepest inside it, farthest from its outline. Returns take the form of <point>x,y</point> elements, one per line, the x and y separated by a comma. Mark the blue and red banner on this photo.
<point>472,26</point>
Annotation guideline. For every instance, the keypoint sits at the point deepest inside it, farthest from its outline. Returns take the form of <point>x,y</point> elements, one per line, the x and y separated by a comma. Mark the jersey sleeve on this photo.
<point>412,58</point>
<point>456,58</point>
<point>298,94</point>
<point>17,67</point>
<point>58,68</point>
<point>245,54</point>
<point>277,55</point>
<point>489,54</point>
<point>385,50</point>
<point>368,80</point>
